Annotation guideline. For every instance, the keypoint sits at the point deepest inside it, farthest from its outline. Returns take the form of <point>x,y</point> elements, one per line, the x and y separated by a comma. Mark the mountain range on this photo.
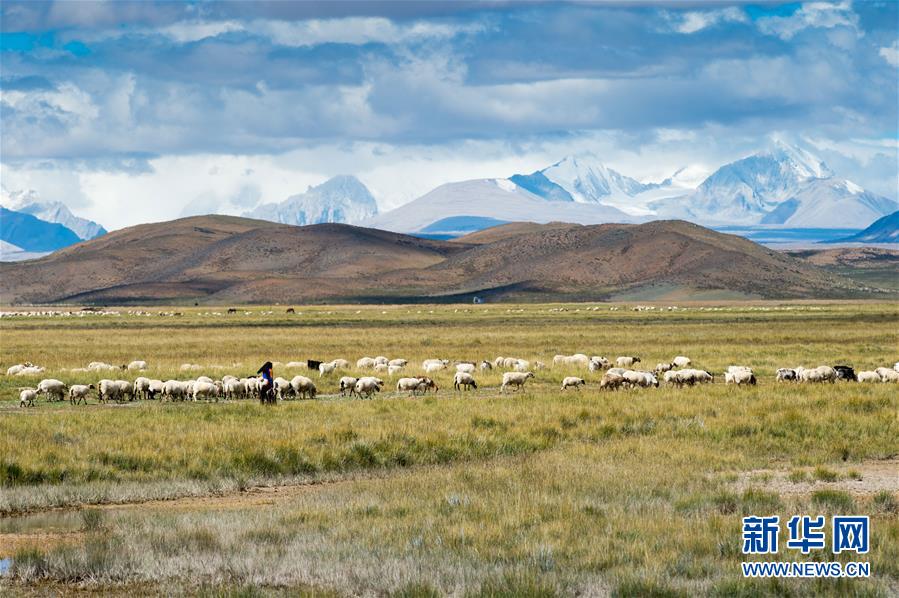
<point>339,199</point>
<point>784,186</point>
<point>225,259</point>
<point>30,227</point>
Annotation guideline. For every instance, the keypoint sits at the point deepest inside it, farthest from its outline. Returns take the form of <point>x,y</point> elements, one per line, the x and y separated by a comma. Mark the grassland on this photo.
<point>538,493</point>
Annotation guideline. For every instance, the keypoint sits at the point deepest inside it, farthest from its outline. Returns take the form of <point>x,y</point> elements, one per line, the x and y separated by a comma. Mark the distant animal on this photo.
<point>368,385</point>
<point>303,387</point>
<point>27,397</point>
<point>54,389</point>
<point>845,372</point>
<point>291,310</point>
<point>232,310</point>
<point>680,361</point>
<point>464,380</point>
<point>348,385</point>
<point>312,364</point>
<point>515,379</point>
<point>786,375</point>
<point>573,382</point>
<point>627,361</point>
<point>611,381</point>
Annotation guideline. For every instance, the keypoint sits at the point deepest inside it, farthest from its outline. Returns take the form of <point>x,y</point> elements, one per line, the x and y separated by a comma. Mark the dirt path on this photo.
<point>858,479</point>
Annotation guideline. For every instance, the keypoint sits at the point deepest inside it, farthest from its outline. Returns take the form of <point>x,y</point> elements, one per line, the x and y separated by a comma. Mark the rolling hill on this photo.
<point>222,259</point>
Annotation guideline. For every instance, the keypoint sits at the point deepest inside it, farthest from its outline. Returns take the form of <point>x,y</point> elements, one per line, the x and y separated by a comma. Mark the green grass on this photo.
<point>538,493</point>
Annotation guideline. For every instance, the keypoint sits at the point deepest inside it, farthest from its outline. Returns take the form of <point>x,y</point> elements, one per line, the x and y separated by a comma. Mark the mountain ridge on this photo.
<point>221,259</point>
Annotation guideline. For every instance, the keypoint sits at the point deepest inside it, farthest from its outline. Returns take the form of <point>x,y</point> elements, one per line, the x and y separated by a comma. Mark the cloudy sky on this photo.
<point>132,112</point>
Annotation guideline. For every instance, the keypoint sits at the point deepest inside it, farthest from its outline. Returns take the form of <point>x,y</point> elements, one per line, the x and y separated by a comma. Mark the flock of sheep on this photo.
<point>622,375</point>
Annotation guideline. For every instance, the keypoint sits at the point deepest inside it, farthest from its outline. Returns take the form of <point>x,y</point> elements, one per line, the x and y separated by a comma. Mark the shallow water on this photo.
<point>51,521</point>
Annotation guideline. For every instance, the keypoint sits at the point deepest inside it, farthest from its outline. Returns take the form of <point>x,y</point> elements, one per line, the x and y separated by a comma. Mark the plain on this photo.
<point>540,492</point>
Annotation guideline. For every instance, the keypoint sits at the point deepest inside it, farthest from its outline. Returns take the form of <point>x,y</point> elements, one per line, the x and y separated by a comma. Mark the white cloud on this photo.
<point>826,15</point>
<point>891,54</point>
<point>693,21</point>
<point>192,31</point>
<point>309,32</point>
<point>355,30</point>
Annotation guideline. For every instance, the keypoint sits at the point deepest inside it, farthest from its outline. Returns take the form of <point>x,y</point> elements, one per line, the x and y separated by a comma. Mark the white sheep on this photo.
<point>577,360</point>
<point>303,387</point>
<point>24,369</point>
<point>869,376</point>
<point>573,382</point>
<point>663,367</point>
<point>822,373</point>
<point>365,363</point>
<point>205,379</point>
<point>381,360</point>
<point>141,387</point>
<point>367,386</point>
<point>171,389</point>
<point>156,387</point>
<point>786,375</point>
<point>467,368</point>
<point>326,368</point>
<point>205,390</point>
<point>341,364</point>
<point>282,387</point>
<point>398,362</point>
<point>381,367</point>
<point>888,374</point>
<point>680,361</point>
<point>486,366</point>
<point>394,369</point>
<point>27,397</point>
<point>100,366</point>
<point>739,376</point>
<point>441,363</point>
<point>408,384</point>
<point>420,384</point>
<point>31,370</point>
<point>464,379</point>
<point>434,367</point>
<point>54,389</point>
<point>137,364</point>
<point>234,388</point>
<point>79,393</point>
<point>125,390</point>
<point>516,379</point>
<point>522,365</point>
<point>627,361</point>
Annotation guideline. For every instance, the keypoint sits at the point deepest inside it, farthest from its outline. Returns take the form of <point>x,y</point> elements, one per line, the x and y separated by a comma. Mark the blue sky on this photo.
<point>144,111</point>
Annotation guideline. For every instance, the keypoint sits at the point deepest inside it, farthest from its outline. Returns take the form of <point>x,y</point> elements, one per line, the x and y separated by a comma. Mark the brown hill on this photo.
<point>219,259</point>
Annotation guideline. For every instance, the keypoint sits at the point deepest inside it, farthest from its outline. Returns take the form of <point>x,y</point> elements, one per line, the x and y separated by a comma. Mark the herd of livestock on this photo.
<point>621,374</point>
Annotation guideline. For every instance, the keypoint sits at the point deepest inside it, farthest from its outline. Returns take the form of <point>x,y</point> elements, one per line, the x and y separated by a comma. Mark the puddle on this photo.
<point>48,522</point>
<point>5,566</point>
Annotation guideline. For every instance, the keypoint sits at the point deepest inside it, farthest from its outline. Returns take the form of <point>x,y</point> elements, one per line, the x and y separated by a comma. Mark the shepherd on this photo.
<point>267,392</point>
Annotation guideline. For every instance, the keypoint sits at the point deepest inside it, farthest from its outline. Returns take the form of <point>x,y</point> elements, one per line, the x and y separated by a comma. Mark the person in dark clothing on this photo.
<point>267,392</point>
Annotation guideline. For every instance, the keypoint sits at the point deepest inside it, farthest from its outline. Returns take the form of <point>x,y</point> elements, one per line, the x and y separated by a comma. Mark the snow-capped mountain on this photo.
<point>55,211</point>
<point>581,178</point>
<point>785,186</point>
<point>32,234</point>
<point>340,199</point>
<point>29,202</point>
<point>484,200</point>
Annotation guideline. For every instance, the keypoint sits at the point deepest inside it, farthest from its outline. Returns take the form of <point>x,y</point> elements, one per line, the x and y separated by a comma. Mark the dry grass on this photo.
<point>541,493</point>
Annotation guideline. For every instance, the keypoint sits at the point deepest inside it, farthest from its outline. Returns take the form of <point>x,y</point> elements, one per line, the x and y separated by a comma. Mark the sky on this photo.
<point>131,112</point>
